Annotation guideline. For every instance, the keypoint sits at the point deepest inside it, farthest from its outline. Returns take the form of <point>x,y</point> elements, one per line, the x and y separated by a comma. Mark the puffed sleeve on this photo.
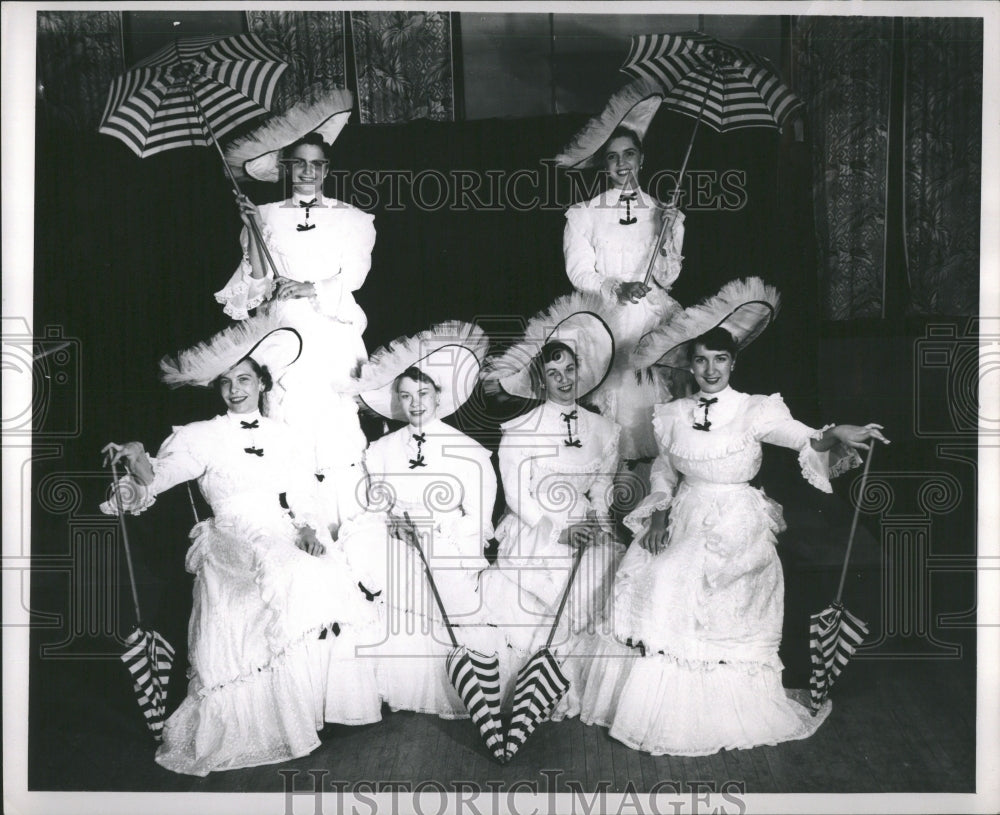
<point>243,291</point>
<point>299,478</point>
<point>667,267</point>
<point>515,475</point>
<point>480,491</point>
<point>662,477</point>
<point>179,459</point>
<point>581,257</point>
<point>774,424</point>
<point>356,244</point>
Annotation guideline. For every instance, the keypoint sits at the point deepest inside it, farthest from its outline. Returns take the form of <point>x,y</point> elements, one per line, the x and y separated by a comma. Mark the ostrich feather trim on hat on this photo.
<point>450,353</point>
<point>261,337</point>
<point>257,153</point>
<point>584,322</point>
<point>632,106</point>
<point>743,307</point>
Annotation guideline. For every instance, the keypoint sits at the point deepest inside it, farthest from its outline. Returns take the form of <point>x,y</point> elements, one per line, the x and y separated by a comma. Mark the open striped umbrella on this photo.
<point>725,86</point>
<point>191,92</point>
<point>834,633</point>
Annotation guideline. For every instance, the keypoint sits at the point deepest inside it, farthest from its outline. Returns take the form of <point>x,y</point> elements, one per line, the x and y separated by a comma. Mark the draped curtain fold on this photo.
<point>845,69</point>
<point>313,43</point>
<point>944,99</point>
<point>78,56</point>
<point>403,65</point>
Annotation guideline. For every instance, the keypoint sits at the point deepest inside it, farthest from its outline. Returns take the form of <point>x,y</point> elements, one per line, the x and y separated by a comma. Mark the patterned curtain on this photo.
<point>404,66</point>
<point>944,91</point>
<point>313,43</point>
<point>79,54</point>
<point>842,67</point>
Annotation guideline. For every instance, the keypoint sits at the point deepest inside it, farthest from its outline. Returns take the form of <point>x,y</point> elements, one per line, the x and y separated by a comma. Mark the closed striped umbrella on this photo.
<point>191,92</point>
<point>834,633</point>
<point>726,86</point>
<point>149,659</point>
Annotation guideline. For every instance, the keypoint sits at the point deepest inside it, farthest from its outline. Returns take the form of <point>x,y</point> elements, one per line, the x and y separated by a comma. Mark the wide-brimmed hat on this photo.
<point>632,106</point>
<point>259,338</point>
<point>581,322</point>
<point>743,307</point>
<point>258,154</point>
<point>450,353</point>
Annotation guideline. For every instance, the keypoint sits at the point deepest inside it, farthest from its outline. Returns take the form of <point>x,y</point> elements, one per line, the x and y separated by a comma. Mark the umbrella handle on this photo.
<point>677,188</point>
<point>854,522</point>
<point>565,596</point>
<point>194,509</point>
<point>128,550</point>
<point>430,579</point>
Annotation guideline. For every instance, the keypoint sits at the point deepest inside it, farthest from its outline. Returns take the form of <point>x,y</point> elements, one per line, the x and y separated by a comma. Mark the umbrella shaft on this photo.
<point>854,522</point>
<point>128,551</point>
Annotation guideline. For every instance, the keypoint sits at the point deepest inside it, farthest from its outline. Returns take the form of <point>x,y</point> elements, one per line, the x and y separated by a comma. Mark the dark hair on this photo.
<point>414,373</point>
<point>312,138</point>
<point>620,132</point>
<point>260,370</point>
<point>715,339</point>
<point>551,352</point>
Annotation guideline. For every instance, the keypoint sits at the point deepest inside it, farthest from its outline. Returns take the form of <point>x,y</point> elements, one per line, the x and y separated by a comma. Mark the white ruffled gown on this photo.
<point>600,253</point>
<point>313,396</point>
<point>450,500</point>
<point>550,485</point>
<point>708,609</point>
<point>262,682</point>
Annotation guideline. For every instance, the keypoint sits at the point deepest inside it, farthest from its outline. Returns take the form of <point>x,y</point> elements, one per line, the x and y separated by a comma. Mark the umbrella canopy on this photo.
<point>743,89</point>
<point>191,92</point>
<point>540,683</point>
<point>149,659</point>
<point>476,677</point>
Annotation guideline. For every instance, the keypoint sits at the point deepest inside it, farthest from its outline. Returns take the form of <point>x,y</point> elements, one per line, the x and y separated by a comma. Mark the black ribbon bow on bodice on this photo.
<point>628,198</point>
<point>249,425</point>
<point>569,418</point>
<point>306,226</point>
<point>419,438</point>
<point>254,451</point>
<point>705,403</point>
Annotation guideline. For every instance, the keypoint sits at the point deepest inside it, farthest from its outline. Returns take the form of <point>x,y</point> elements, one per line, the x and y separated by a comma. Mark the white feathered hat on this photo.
<point>450,353</point>
<point>632,106</point>
<point>582,322</point>
<point>743,307</point>
<point>258,153</point>
<point>261,338</point>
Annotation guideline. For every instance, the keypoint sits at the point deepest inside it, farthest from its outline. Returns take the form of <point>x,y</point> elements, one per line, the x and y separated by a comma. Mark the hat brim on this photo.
<point>579,321</point>
<point>743,307</point>
<point>258,153</point>
<point>277,350</point>
<point>450,354</point>
<point>632,106</point>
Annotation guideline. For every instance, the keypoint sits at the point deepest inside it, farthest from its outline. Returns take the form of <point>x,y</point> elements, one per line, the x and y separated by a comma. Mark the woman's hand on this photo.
<point>855,437</point>
<point>286,289</point>
<point>657,537</point>
<point>403,529</point>
<point>249,213</point>
<point>309,543</point>
<point>133,454</point>
<point>579,535</point>
<point>632,292</point>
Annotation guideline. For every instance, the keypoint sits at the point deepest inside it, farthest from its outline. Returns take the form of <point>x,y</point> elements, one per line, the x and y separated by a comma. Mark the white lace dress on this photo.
<point>449,496</point>
<point>261,680</point>
<point>708,609</point>
<point>334,255</point>
<point>549,484</point>
<point>600,253</point>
